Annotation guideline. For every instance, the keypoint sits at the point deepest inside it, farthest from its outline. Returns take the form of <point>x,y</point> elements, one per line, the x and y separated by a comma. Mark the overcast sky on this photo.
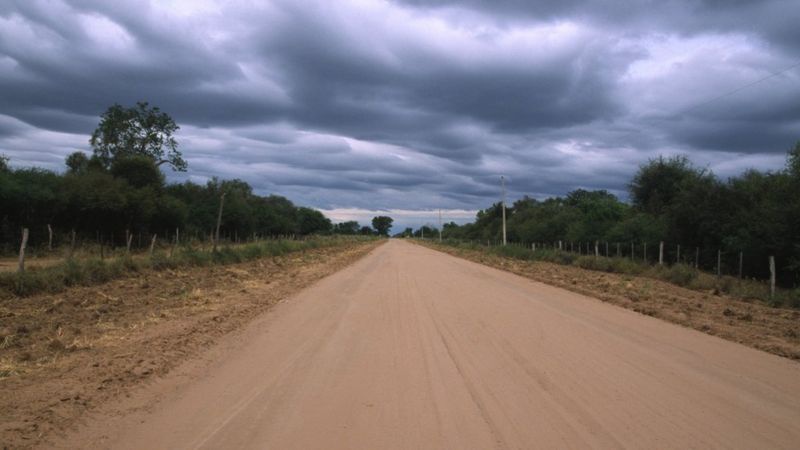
<point>411,105</point>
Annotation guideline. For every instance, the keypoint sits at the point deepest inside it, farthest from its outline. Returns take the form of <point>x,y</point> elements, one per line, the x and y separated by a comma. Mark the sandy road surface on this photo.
<point>410,348</point>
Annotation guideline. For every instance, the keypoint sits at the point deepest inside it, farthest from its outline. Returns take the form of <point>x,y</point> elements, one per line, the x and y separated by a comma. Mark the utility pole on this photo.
<point>219,220</point>
<point>440,225</point>
<point>503,183</point>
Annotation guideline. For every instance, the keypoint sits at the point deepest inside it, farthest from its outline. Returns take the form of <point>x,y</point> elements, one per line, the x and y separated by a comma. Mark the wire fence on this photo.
<point>721,262</point>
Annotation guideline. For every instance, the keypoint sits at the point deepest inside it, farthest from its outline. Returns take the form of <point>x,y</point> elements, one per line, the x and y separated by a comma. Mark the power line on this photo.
<point>734,91</point>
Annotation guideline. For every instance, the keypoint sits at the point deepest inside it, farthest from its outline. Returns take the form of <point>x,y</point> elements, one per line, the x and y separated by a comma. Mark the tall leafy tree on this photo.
<point>140,130</point>
<point>658,183</point>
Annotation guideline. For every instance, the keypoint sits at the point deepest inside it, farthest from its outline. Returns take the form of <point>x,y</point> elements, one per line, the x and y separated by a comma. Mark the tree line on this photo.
<point>119,191</point>
<point>131,197</point>
<point>755,214</point>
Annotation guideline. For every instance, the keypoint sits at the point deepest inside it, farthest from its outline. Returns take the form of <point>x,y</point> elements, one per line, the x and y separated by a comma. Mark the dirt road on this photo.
<point>411,348</point>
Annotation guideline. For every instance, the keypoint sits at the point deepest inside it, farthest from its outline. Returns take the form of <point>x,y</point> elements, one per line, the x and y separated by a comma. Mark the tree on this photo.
<point>77,162</point>
<point>658,182</point>
<point>793,160</point>
<point>139,171</point>
<point>349,227</point>
<point>3,163</point>
<point>426,231</point>
<point>382,224</point>
<point>139,130</point>
<point>310,221</point>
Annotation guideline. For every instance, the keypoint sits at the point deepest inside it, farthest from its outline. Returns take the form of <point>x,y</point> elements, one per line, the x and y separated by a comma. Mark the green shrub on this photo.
<point>594,263</point>
<point>160,261</point>
<point>97,271</point>
<point>193,257</point>
<point>680,274</point>
<point>127,264</point>
<point>512,251</point>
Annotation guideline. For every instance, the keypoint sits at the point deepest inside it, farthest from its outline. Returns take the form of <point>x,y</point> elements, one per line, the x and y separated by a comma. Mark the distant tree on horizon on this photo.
<point>382,224</point>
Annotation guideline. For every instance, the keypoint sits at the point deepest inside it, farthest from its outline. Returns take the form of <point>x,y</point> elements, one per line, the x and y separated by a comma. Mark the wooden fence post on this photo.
<point>128,243</point>
<point>21,268</point>
<point>49,238</point>
<point>678,258</point>
<point>771,277</point>
<point>661,253</point>
<point>632,250</point>
<point>596,249</point>
<point>697,257</point>
<point>719,263</point>
<point>153,244</point>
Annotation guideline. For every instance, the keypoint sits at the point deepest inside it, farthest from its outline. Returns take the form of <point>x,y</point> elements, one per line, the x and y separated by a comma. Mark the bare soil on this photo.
<point>62,355</point>
<point>752,323</point>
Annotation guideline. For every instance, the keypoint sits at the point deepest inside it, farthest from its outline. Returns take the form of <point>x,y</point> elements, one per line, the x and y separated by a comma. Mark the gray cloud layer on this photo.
<point>415,104</point>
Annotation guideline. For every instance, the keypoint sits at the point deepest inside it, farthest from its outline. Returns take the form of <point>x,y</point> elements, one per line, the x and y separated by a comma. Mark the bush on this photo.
<point>680,274</point>
<point>73,273</point>
<point>512,251</point>
<point>603,264</point>
<point>97,271</point>
<point>160,261</point>
<point>625,265</point>
<point>193,257</point>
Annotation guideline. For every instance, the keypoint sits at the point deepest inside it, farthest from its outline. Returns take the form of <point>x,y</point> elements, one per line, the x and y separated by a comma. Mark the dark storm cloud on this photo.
<point>775,20</point>
<point>412,104</point>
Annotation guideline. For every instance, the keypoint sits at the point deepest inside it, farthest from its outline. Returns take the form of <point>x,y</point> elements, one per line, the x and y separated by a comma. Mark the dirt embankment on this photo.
<point>61,355</point>
<point>752,323</point>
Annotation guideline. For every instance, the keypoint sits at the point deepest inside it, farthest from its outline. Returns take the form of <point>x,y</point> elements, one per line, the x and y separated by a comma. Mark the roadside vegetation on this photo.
<point>683,275</point>
<point>93,270</point>
<point>728,226</point>
<point>118,197</point>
